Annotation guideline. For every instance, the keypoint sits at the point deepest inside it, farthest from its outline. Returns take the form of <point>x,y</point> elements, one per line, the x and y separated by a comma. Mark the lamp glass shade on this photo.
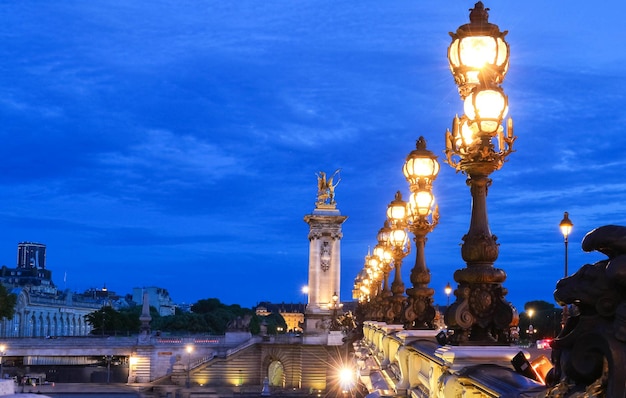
<point>566,225</point>
<point>486,109</point>
<point>372,261</point>
<point>382,253</point>
<point>383,234</point>
<point>398,237</point>
<point>421,203</point>
<point>464,136</point>
<point>421,167</point>
<point>478,51</point>
<point>486,104</point>
<point>396,212</point>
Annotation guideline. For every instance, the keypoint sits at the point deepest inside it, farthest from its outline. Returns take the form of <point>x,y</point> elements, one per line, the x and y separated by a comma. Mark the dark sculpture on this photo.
<point>589,354</point>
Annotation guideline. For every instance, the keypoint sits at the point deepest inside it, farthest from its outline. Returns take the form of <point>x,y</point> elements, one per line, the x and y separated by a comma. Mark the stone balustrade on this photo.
<point>395,362</point>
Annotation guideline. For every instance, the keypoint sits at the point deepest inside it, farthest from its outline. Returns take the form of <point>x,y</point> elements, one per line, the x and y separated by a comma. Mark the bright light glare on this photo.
<point>477,51</point>
<point>346,378</point>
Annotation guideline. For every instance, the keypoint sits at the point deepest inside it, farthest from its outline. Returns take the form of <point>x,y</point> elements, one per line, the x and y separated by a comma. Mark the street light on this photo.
<point>477,146</point>
<point>566,228</point>
<point>531,330</point>
<point>400,248</point>
<point>383,253</point>
<point>334,323</point>
<point>448,290</point>
<point>420,169</point>
<point>305,292</point>
<point>189,350</point>
<point>2,353</point>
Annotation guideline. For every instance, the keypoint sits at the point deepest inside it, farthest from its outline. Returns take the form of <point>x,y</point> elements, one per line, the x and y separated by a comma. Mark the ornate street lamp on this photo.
<point>189,350</point>
<point>334,323</point>
<point>478,52</point>
<point>420,169</point>
<point>448,291</point>
<point>400,248</point>
<point>566,228</point>
<point>2,354</point>
<point>477,146</point>
<point>383,253</point>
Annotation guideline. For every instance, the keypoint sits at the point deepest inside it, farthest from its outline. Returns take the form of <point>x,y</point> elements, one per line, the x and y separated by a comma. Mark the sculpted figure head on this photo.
<point>597,288</point>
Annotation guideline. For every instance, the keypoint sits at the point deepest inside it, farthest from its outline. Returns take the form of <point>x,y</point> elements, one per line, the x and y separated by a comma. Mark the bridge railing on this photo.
<point>395,362</point>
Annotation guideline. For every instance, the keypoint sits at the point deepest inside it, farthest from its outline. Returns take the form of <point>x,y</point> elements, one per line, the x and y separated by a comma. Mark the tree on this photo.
<point>109,321</point>
<point>7,303</point>
<point>206,305</point>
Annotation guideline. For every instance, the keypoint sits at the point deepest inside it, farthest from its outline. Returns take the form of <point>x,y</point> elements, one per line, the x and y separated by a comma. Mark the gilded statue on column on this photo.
<point>326,189</point>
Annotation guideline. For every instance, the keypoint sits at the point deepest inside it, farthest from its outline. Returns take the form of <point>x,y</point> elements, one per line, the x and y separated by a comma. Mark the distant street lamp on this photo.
<point>400,248</point>
<point>531,330</point>
<point>448,290</point>
<point>2,354</point>
<point>334,323</point>
<point>478,146</point>
<point>189,350</point>
<point>420,170</point>
<point>109,358</point>
<point>566,228</point>
<point>305,292</point>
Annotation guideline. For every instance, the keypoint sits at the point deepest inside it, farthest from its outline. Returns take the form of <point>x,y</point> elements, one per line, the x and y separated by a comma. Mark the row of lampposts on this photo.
<point>478,144</point>
<point>419,216</point>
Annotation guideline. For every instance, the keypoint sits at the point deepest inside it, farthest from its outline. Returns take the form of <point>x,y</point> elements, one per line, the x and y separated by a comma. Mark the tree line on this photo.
<point>209,316</point>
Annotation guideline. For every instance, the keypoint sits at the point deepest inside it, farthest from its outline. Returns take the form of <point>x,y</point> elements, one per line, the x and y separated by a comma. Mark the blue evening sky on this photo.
<point>174,143</point>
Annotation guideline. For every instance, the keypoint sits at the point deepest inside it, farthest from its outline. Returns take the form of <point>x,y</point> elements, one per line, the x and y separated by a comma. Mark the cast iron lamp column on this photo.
<point>400,248</point>
<point>420,169</point>
<point>334,323</point>
<point>566,228</point>
<point>478,146</point>
<point>383,252</point>
<point>2,354</point>
<point>189,350</point>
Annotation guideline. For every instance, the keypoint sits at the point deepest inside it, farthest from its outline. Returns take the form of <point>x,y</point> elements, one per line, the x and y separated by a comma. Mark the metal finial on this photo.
<point>479,14</point>
<point>420,144</point>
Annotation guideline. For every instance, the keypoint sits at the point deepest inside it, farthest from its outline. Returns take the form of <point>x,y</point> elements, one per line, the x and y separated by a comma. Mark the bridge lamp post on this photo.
<point>334,323</point>
<point>189,350</point>
<point>420,169</point>
<point>479,145</point>
<point>400,248</point>
<point>566,228</point>
<point>305,293</point>
<point>2,354</point>
<point>382,251</point>
<point>108,359</point>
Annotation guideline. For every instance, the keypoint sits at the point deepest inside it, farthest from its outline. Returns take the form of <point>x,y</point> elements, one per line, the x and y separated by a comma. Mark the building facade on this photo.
<point>41,309</point>
<point>159,298</point>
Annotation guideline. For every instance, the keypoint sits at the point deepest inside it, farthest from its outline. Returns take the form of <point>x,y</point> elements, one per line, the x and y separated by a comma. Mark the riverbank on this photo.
<point>54,389</point>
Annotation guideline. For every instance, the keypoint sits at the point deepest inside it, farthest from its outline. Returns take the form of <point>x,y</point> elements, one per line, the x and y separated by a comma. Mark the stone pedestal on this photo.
<point>335,337</point>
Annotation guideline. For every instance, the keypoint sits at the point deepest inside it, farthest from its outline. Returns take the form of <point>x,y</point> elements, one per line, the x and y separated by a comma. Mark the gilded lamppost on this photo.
<point>374,278</point>
<point>383,253</point>
<point>566,228</point>
<point>400,248</point>
<point>420,169</point>
<point>477,146</point>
